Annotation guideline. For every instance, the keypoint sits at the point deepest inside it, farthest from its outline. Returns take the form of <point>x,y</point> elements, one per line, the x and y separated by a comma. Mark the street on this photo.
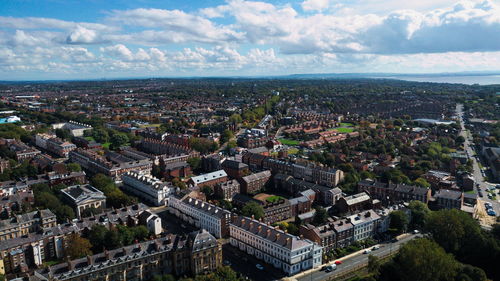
<point>355,260</point>
<point>478,177</point>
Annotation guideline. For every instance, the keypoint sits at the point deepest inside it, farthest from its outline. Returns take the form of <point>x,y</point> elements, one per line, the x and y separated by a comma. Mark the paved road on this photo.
<point>478,177</point>
<point>356,260</point>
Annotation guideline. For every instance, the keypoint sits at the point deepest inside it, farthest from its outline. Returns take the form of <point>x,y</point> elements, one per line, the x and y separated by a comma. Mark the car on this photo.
<point>259,266</point>
<point>367,251</point>
<point>375,248</point>
<point>338,262</point>
<point>394,240</point>
<point>480,193</point>
<point>323,267</point>
<point>330,268</point>
<point>492,213</point>
<point>416,231</point>
<point>486,204</point>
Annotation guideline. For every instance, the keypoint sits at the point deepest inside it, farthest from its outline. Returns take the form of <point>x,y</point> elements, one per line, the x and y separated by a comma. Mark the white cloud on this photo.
<point>82,35</point>
<point>262,37</point>
<point>315,5</point>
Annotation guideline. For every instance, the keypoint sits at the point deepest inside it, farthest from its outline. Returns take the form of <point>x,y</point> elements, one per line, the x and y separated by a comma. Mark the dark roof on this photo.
<point>232,164</point>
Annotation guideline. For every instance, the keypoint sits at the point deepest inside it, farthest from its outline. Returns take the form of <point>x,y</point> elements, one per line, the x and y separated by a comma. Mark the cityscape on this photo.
<point>245,140</point>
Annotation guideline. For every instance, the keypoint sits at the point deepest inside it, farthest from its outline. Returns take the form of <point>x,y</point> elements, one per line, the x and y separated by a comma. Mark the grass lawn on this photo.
<point>273,198</point>
<point>293,151</point>
<point>90,138</point>
<point>289,142</point>
<point>106,145</point>
<point>346,125</point>
<point>150,126</point>
<point>470,192</point>
<point>345,130</point>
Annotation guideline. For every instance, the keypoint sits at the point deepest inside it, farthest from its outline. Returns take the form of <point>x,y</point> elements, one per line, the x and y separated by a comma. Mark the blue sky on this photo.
<point>70,39</point>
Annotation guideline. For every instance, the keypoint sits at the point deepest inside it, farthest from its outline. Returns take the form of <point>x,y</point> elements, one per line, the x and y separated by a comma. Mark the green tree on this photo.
<point>419,214</point>
<point>399,222</point>
<point>195,163</point>
<point>74,167</point>
<point>373,264</point>
<point>100,135</point>
<point>421,182</point>
<point>64,213</point>
<point>118,140</point>
<point>226,136</point>
<point>97,236</point>
<point>78,246</point>
<point>321,216</point>
<point>253,208</point>
<point>420,260</point>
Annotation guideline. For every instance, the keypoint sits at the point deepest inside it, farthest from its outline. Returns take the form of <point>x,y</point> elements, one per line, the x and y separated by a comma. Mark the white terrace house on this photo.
<point>287,252</point>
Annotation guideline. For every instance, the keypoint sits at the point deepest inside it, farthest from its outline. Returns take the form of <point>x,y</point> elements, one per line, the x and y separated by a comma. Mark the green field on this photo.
<point>289,142</point>
<point>293,151</point>
<point>273,198</point>
<point>346,125</point>
<point>345,130</point>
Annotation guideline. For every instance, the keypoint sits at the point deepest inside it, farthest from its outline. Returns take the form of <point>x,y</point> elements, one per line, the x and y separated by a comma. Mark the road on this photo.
<point>355,260</point>
<point>478,177</point>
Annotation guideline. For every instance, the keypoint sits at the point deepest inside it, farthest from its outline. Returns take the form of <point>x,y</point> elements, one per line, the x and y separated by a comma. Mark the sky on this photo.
<point>105,39</point>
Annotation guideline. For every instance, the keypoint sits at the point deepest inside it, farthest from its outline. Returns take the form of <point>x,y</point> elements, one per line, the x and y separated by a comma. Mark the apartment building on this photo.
<point>146,187</point>
<point>227,190</point>
<point>284,251</point>
<point>254,182</point>
<point>201,214</point>
<point>20,225</point>
<point>392,193</point>
<point>197,253</point>
<point>365,224</point>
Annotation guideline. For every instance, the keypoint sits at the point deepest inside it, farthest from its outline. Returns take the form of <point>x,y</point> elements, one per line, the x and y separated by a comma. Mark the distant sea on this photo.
<point>459,79</point>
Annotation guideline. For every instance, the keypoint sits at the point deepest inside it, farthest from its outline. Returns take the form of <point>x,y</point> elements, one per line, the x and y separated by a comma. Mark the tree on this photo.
<point>226,136</point>
<point>118,140</point>
<point>399,222</point>
<point>253,209</point>
<point>207,190</point>
<point>178,183</point>
<point>420,260</point>
<point>459,140</point>
<point>373,264</point>
<point>195,163</point>
<point>421,182</point>
<point>140,232</point>
<point>101,182</point>
<point>100,135</point>
<point>63,134</point>
<point>112,240</point>
<point>74,167</point>
<point>64,213</point>
<point>321,216</point>
<point>419,213</point>
<point>472,273</point>
<point>97,236</point>
<point>78,246</point>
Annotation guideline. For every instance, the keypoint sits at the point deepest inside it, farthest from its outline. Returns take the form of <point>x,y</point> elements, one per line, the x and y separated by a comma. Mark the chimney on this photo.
<point>71,264</point>
<point>106,254</point>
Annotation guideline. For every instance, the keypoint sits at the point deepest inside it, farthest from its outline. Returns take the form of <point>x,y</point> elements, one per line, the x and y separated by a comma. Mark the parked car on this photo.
<point>416,231</point>
<point>259,266</point>
<point>331,268</point>
<point>492,213</point>
<point>338,262</point>
<point>375,248</point>
<point>367,251</point>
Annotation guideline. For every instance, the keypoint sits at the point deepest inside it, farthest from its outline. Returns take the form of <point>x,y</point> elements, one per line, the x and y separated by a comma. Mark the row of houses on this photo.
<point>197,253</point>
<point>47,241</point>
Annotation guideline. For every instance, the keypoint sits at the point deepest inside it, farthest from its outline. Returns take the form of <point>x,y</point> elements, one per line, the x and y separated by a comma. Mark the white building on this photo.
<point>147,187</point>
<point>201,214</point>
<point>365,224</point>
<point>76,129</point>
<point>274,246</point>
<point>152,222</point>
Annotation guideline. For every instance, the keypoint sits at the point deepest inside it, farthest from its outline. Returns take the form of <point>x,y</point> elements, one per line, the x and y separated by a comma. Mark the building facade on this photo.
<point>82,197</point>
<point>284,251</point>
<point>147,187</point>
